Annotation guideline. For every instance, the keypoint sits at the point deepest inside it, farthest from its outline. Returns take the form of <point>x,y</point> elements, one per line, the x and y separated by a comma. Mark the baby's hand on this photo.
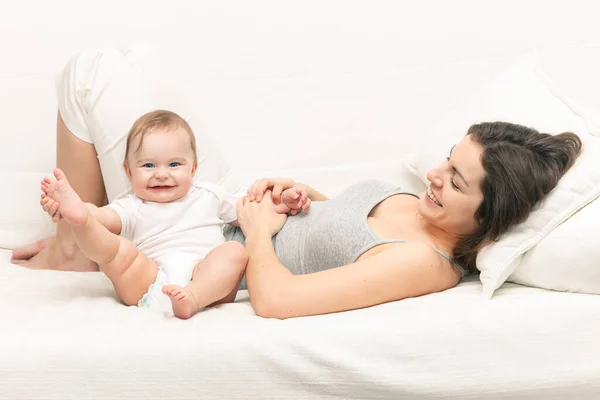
<point>294,200</point>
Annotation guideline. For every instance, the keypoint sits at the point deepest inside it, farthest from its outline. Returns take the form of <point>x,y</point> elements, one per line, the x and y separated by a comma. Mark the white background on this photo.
<point>284,87</point>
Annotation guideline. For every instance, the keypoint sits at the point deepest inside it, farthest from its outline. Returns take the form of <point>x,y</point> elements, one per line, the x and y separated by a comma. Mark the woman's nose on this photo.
<point>434,177</point>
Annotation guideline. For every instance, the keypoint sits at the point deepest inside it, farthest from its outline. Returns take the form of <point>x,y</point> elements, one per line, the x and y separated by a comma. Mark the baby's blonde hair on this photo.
<point>155,120</point>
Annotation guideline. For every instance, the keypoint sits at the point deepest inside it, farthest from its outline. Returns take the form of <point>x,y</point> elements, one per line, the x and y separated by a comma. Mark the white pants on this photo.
<point>102,92</point>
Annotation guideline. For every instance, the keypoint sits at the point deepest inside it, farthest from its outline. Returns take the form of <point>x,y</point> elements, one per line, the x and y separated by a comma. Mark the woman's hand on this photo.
<point>259,218</point>
<point>277,185</point>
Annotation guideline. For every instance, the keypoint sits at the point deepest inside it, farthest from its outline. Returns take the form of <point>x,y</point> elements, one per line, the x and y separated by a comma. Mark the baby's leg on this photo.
<point>215,280</point>
<point>131,272</point>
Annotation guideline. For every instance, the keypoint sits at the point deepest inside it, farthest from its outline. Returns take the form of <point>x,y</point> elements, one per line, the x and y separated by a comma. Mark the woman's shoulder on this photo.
<point>411,268</point>
<point>419,254</point>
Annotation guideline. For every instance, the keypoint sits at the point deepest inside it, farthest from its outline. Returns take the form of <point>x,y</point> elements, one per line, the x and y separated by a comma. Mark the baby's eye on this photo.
<point>148,165</point>
<point>174,164</point>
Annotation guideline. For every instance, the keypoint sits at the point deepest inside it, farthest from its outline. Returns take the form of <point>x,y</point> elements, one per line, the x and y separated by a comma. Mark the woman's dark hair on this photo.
<point>521,167</point>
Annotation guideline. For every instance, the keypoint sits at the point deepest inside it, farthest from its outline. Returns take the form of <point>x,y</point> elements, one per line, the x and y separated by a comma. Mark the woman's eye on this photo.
<point>454,185</point>
<point>148,165</point>
<point>174,164</point>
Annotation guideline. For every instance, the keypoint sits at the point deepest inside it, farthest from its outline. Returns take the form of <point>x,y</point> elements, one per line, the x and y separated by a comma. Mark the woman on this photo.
<point>491,181</point>
<point>372,244</point>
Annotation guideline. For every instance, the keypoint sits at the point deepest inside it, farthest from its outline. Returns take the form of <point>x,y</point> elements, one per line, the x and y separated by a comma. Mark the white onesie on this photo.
<point>177,234</point>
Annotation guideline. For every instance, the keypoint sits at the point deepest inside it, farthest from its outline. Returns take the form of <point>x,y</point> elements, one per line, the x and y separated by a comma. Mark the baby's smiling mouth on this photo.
<point>161,187</point>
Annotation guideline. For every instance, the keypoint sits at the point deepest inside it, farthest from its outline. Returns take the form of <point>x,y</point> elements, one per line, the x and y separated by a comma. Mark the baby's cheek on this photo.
<point>186,181</point>
<point>138,184</point>
<point>138,187</point>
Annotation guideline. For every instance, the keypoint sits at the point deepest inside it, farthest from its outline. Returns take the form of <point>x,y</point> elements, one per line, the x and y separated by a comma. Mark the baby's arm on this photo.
<point>293,200</point>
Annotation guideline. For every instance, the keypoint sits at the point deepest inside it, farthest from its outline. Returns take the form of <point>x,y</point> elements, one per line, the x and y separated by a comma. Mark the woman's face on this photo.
<point>454,192</point>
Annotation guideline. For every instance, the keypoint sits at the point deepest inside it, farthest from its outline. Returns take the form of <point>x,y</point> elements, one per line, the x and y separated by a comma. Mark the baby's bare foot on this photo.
<point>182,301</point>
<point>71,208</point>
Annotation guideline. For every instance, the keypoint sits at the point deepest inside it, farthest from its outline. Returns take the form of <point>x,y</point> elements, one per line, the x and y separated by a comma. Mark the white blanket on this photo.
<point>65,336</point>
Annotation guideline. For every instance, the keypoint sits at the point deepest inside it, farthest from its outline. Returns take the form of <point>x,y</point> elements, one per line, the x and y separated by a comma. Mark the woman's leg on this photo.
<point>78,161</point>
<point>99,95</point>
<point>215,280</point>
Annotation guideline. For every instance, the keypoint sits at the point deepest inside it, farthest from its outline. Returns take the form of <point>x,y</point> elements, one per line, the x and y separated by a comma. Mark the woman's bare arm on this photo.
<point>408,270</point>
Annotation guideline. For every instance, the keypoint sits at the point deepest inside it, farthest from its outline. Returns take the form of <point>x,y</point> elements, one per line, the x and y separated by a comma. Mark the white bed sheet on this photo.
<point>65,336</point>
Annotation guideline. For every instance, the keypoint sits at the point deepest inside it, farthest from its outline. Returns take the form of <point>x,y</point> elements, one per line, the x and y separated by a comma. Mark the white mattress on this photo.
<point>65,336</point>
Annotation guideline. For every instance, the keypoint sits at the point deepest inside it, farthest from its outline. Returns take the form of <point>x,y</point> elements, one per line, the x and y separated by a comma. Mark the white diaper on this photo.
<point>173,269</point>
<point>154,291</point>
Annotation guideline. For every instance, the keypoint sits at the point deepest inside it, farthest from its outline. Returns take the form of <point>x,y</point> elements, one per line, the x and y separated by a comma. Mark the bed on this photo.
<point>257,76</point>
<point>65,336</point>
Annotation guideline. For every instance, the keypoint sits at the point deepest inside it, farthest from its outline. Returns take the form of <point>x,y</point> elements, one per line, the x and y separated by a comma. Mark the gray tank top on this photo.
<point>334,232</point>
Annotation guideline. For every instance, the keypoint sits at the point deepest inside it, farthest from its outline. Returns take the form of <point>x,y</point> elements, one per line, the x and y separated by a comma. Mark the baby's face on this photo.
<point>161,170</point>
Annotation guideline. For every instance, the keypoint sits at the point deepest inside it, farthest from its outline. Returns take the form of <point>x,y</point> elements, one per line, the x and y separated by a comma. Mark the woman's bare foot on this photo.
<point>70,207</point>
<point>28,251</point>
<point>184,305</point>
<point>50,255</point>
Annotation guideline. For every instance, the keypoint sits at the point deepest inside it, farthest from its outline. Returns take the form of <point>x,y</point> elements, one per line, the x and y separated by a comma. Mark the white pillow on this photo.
<point>568,259</point>
<point>574,73</point>
<point>520,94</point>
<point>579,186</point>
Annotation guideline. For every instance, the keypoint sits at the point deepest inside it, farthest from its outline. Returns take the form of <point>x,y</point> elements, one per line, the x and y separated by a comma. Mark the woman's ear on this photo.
<point>127,169</point>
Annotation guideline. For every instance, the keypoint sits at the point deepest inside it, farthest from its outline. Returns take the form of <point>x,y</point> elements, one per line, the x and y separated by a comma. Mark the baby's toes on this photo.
<point>170,290</point>
<point>47,182</point>
<point>52,190</point>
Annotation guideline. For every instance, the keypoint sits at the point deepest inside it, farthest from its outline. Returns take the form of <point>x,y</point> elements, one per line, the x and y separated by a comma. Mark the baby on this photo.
<point>166,237</point>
